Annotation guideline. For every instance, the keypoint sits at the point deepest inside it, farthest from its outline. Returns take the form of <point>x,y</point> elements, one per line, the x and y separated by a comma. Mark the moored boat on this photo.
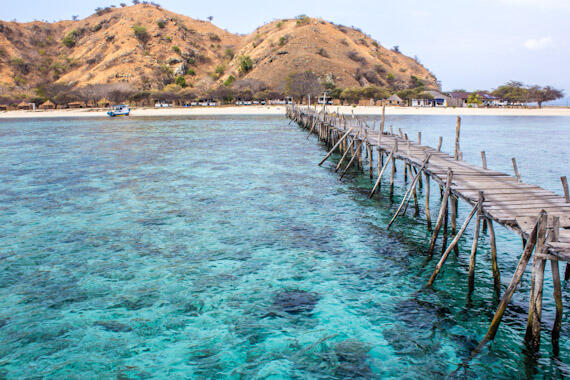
<point>120,110</point>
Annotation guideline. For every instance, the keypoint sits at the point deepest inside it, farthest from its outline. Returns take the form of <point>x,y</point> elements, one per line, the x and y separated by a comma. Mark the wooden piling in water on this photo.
<point>473,257</point>
<point>557,291</point>
<point>457,132</point>
<point>494,264</point>
<point>377,184</point>
<point>442,211</point>
<point>427,211</point>
<point>539,228</point>
<point>452,244</point>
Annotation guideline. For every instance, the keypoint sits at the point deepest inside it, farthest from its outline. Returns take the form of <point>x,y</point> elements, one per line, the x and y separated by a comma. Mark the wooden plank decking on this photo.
<point>541,217</point>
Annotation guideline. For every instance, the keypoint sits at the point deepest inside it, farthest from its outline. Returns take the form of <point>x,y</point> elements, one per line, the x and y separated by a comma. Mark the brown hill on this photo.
<point>149,47</point>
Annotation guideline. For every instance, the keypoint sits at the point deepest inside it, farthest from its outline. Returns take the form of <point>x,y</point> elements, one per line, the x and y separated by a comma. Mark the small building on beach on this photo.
<point>3,107</point>
<point>394,100</point>
<point>47,105</point>
<point>76,105</point>
<point>25,106</point>
<point>432,99</point>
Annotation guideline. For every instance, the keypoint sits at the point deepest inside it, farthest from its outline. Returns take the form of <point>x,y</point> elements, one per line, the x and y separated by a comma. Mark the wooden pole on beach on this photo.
<point>484,159</point>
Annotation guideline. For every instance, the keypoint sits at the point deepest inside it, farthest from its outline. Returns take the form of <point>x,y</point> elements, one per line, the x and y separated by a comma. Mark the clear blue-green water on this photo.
<point>216,248</point>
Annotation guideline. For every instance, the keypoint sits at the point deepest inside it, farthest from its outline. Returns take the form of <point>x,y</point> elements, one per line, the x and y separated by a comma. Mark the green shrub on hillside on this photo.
<point>176,49</point>
<point>245,64</point>
<point>180,81</point>
<point>70,39</point>
<point>140,33</point>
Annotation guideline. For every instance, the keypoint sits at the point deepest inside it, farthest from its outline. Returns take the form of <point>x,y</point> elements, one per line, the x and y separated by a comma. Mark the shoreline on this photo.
<point>280,110</point>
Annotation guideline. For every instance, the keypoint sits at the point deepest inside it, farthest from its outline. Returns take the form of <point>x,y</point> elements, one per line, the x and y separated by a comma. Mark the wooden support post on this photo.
<point>359,154</point>
<point>335,146</point>
<point>370,161</point>
<point>457,131</point>
<point>377,184</point>
<point>484,159</point>
<point>523,262</point>
<point>494,264</point>
<point>439,144</point>
<point>532,336</point>
<point>453,203</point>
<point>352,159</point>
<point>407,195</point>
<point>392,175</point>
<point>419,138</point>
<point>415,195</point>
<point>554,235</point>
<point>405,172</point>
<point>428,214</point>
<point>445,229</point>
<point>442,212</point>
<point>516,169</point>
<point>564,181</point>
<point>453,243</point>
<point>473,257</point>
<point>383,118</point>
<point>348,149</point>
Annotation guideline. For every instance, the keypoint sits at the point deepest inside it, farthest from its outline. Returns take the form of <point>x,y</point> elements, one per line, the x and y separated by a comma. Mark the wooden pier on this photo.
<point>541,217</point>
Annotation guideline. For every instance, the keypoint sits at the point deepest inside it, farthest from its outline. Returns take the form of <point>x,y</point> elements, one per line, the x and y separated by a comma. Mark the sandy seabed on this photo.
<point>280,110</point>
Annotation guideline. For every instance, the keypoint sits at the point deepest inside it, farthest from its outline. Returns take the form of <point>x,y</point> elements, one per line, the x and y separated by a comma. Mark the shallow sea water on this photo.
<point>216,248</point>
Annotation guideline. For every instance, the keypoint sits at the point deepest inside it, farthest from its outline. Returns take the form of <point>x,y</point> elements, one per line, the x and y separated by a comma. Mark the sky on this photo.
<point>477,44</point>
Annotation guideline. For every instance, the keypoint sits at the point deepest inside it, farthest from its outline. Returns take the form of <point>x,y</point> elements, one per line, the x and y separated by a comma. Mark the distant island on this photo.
<point>143,54</point>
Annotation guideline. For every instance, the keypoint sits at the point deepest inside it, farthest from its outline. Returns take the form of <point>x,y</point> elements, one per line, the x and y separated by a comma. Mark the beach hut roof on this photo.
<point>395,97</point>
<point>24,104</point>
<point>48,103</point>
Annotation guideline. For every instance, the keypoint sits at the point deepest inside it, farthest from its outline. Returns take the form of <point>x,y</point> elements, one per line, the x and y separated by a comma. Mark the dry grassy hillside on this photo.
<point>345,56</point>
<point>149,47</point>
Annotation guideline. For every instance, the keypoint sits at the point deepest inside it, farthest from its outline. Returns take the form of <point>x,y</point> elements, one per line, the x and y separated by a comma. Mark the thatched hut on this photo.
<point>3,107</point>
<point>76,105</point>
<point>25,106</point>
<point>47,105</point>
<point>395,100</point>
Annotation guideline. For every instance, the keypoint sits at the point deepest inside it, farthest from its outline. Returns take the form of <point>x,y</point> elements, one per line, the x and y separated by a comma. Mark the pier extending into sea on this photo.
<point>539,216</point>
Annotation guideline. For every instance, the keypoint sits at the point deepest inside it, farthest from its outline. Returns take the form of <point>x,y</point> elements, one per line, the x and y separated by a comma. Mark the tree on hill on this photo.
<point>302,84</point>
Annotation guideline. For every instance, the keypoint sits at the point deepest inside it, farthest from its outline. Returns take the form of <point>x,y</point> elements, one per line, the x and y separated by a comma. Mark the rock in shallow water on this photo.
<point>295,301</point>
<point>113,326</point>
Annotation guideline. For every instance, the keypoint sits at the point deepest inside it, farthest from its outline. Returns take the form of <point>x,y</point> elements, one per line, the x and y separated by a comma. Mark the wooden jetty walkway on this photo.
<point>541,217</point>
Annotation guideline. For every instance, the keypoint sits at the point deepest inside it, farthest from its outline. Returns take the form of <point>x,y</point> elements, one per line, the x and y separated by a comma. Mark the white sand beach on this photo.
<point>280,110</point>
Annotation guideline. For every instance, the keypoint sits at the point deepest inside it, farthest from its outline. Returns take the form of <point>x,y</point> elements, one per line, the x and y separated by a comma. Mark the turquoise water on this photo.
<point>216,248</point>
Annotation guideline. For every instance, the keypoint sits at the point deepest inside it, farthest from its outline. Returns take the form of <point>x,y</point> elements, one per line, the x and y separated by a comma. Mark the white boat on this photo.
<point>120,110</point>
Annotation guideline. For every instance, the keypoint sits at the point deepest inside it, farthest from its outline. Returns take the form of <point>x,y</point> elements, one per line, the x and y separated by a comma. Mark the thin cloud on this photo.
<point>551,4</point>
<point>539,43</point>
